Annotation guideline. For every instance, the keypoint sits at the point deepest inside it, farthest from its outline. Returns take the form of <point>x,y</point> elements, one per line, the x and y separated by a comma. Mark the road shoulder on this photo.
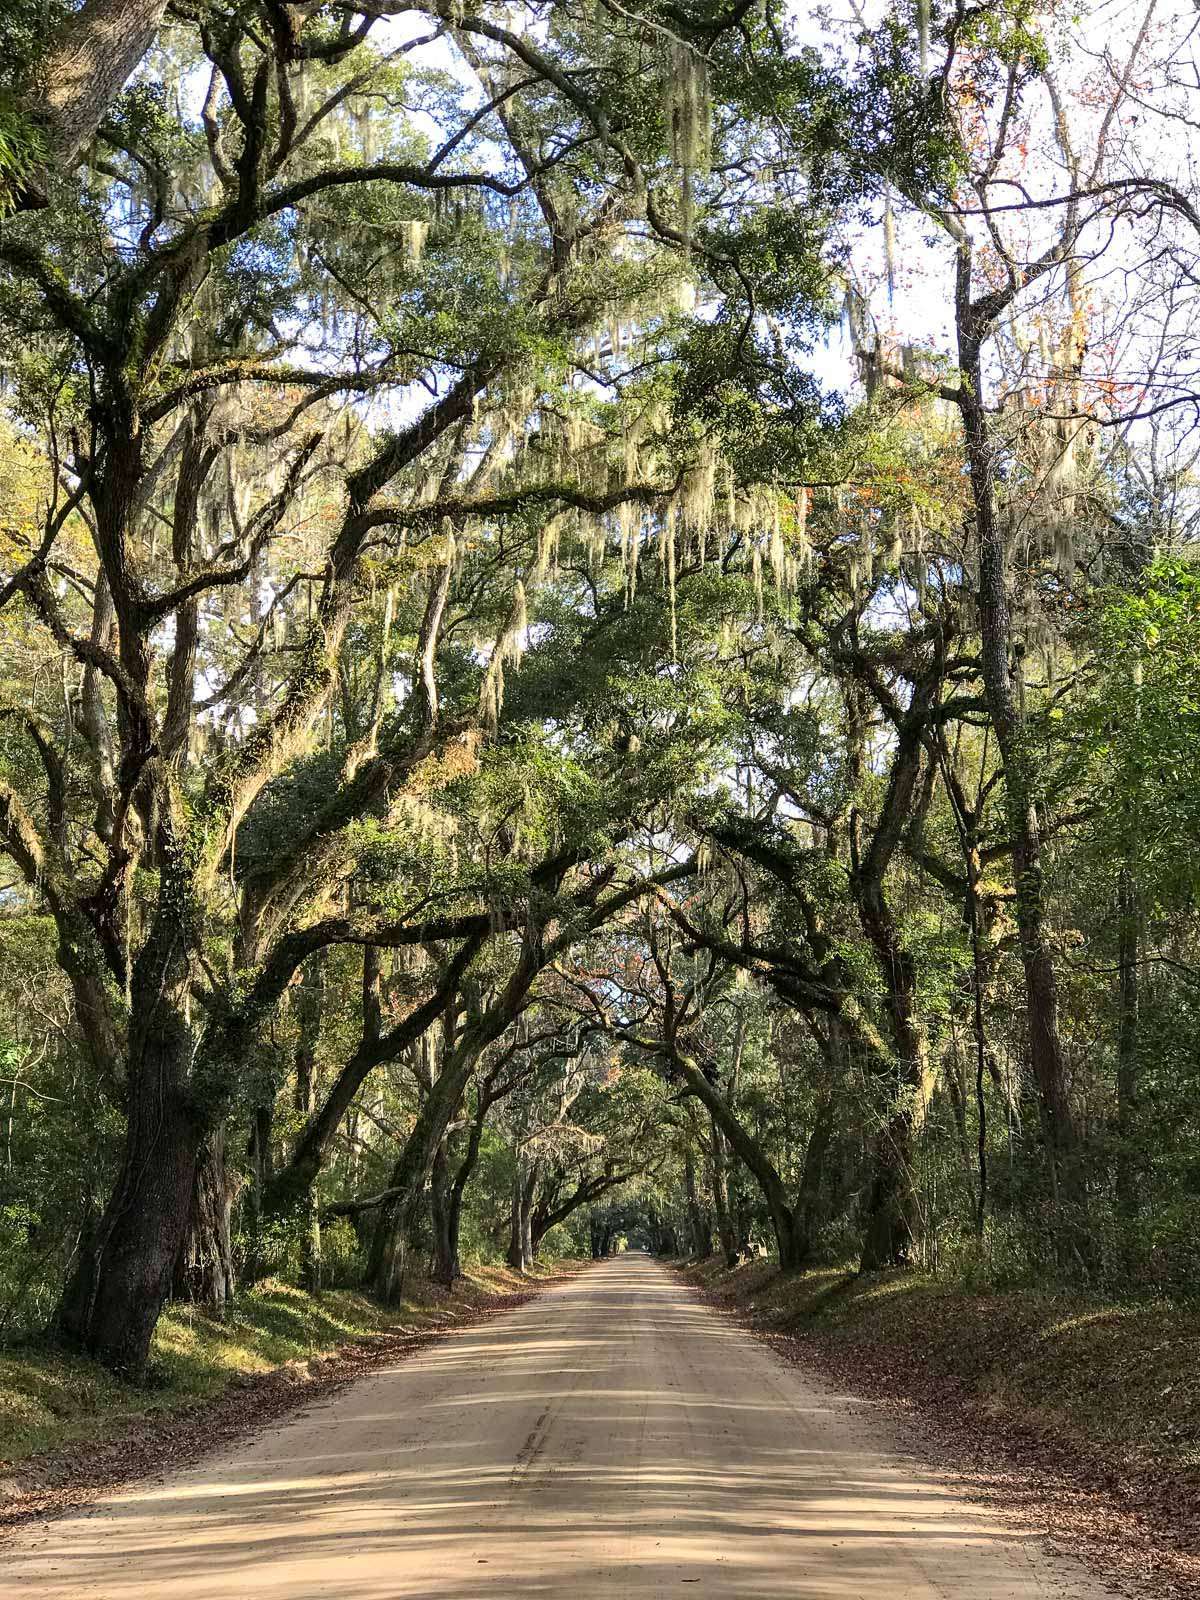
<point>53,1483</point>
<point>1134,1523</point>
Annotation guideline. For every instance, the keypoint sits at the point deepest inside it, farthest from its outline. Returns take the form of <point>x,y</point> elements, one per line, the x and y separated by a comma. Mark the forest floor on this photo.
<point>1080,1417</point>
<point>69,1429</point>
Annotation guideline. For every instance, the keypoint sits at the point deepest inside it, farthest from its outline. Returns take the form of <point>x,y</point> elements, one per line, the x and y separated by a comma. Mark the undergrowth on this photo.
<point>1122,1377</point>
<point>50,1398</point>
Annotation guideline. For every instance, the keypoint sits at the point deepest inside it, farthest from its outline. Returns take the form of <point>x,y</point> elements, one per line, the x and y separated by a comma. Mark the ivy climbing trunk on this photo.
<point>1046,1053</point>
<point>125,1269</point>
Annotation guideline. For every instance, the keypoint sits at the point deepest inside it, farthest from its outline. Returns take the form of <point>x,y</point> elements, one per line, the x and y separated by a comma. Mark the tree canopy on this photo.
<point>599,635</point>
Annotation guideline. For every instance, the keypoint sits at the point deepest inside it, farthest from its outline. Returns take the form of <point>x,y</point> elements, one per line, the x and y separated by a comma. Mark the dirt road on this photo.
<point>614,1438</point>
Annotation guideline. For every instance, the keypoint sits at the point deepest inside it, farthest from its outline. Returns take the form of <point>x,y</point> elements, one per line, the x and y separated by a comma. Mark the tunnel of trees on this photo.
<point>599,643</point>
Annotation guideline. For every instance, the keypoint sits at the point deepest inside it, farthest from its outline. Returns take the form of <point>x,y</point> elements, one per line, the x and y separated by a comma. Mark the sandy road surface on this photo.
<point>614,1438</point>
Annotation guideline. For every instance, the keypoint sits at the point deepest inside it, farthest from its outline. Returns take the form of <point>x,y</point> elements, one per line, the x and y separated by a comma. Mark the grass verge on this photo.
<point>51,1401</point>
<point>1074,1419</point>
<point>1123,1380</point>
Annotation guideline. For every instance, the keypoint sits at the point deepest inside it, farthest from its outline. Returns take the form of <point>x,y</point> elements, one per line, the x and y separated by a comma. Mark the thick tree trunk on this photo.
<point>792,1242</point>
<point>809,1210</point>
<point>892,1213</point>
<point>891,1216</point>
<point>389,1255</point>
<point>891,1209</point>
<point>204,1272</point>
<point>124,1271</point>
<point>97,53</point>
<point>414,1161</point>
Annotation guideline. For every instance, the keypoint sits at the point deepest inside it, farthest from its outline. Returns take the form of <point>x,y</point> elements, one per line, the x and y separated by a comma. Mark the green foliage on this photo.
<point>22,150</point>
<point>769,418</point>
<point>1142,725</point>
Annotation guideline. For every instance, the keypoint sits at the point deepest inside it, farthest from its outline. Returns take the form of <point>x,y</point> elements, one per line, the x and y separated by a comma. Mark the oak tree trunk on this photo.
<point>97,53</point>
<point>389,1255</point>
<point>792,1242</point>
<point>520,1239</point>
<point>124,1271</point>
<point>1047,1056</point>
<point>204,1272</point>
<point>701,1233</point>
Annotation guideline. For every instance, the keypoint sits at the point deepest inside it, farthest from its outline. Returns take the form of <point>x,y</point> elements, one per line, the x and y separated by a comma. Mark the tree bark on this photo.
<point>389,1256</point>
<point>793,1246</point>
<point>891,1216</point>
<point>520,1239</point>
<point>701,1233</point>
<point>124,1271</point>
<point>99,50</point>
<point>812,1178</point>
<point>600,1237</point>
<point>204,1272</point>
<point>892,1213</point>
